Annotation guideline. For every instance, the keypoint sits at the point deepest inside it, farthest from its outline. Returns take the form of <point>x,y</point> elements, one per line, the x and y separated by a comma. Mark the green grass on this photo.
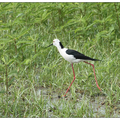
<point>33,78</point>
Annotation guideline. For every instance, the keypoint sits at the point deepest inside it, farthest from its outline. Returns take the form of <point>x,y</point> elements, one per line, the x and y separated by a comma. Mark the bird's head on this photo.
<point>56,43</point>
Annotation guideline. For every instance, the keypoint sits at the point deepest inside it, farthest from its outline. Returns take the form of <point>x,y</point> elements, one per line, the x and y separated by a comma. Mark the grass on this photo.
<point>33,78</point>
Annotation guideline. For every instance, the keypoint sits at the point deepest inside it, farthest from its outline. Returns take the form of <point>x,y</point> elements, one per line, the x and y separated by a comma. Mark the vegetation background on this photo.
<point>32,78</point>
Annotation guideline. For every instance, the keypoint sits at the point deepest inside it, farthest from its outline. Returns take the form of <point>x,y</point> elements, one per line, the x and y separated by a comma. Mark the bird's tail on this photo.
<point>95,59</point>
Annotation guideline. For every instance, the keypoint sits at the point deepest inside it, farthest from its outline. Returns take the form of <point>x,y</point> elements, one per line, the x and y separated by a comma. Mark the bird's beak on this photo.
<point>49,45</point>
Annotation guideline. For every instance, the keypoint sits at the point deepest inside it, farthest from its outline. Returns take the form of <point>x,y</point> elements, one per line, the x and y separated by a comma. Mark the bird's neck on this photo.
<point>60,46</point>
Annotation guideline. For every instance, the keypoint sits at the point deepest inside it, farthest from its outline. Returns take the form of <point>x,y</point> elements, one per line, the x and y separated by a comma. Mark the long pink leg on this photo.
<point>94,74</point>
<point>72,81</point>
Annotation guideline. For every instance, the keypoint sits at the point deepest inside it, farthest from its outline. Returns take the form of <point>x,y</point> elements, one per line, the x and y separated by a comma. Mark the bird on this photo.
<point>73,56</point>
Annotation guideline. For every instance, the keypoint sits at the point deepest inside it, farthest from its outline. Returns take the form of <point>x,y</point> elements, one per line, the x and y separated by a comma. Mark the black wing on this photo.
<point>78,55</point>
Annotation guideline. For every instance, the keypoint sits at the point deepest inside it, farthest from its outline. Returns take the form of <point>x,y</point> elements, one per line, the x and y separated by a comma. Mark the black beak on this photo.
<point>49,45</point>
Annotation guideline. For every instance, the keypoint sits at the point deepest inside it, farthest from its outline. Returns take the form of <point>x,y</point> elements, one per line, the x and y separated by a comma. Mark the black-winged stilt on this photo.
<point>73,56</point>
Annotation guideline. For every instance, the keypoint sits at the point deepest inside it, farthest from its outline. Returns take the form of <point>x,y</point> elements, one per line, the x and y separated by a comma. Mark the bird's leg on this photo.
<point>94,74</point>
<point>72,81</point>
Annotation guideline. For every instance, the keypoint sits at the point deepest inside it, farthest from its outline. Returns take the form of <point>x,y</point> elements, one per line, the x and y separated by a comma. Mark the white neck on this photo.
<point>59,48</point>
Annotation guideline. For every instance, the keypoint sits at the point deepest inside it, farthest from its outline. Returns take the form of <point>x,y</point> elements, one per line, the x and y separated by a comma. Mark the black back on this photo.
<point>78,55</point>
